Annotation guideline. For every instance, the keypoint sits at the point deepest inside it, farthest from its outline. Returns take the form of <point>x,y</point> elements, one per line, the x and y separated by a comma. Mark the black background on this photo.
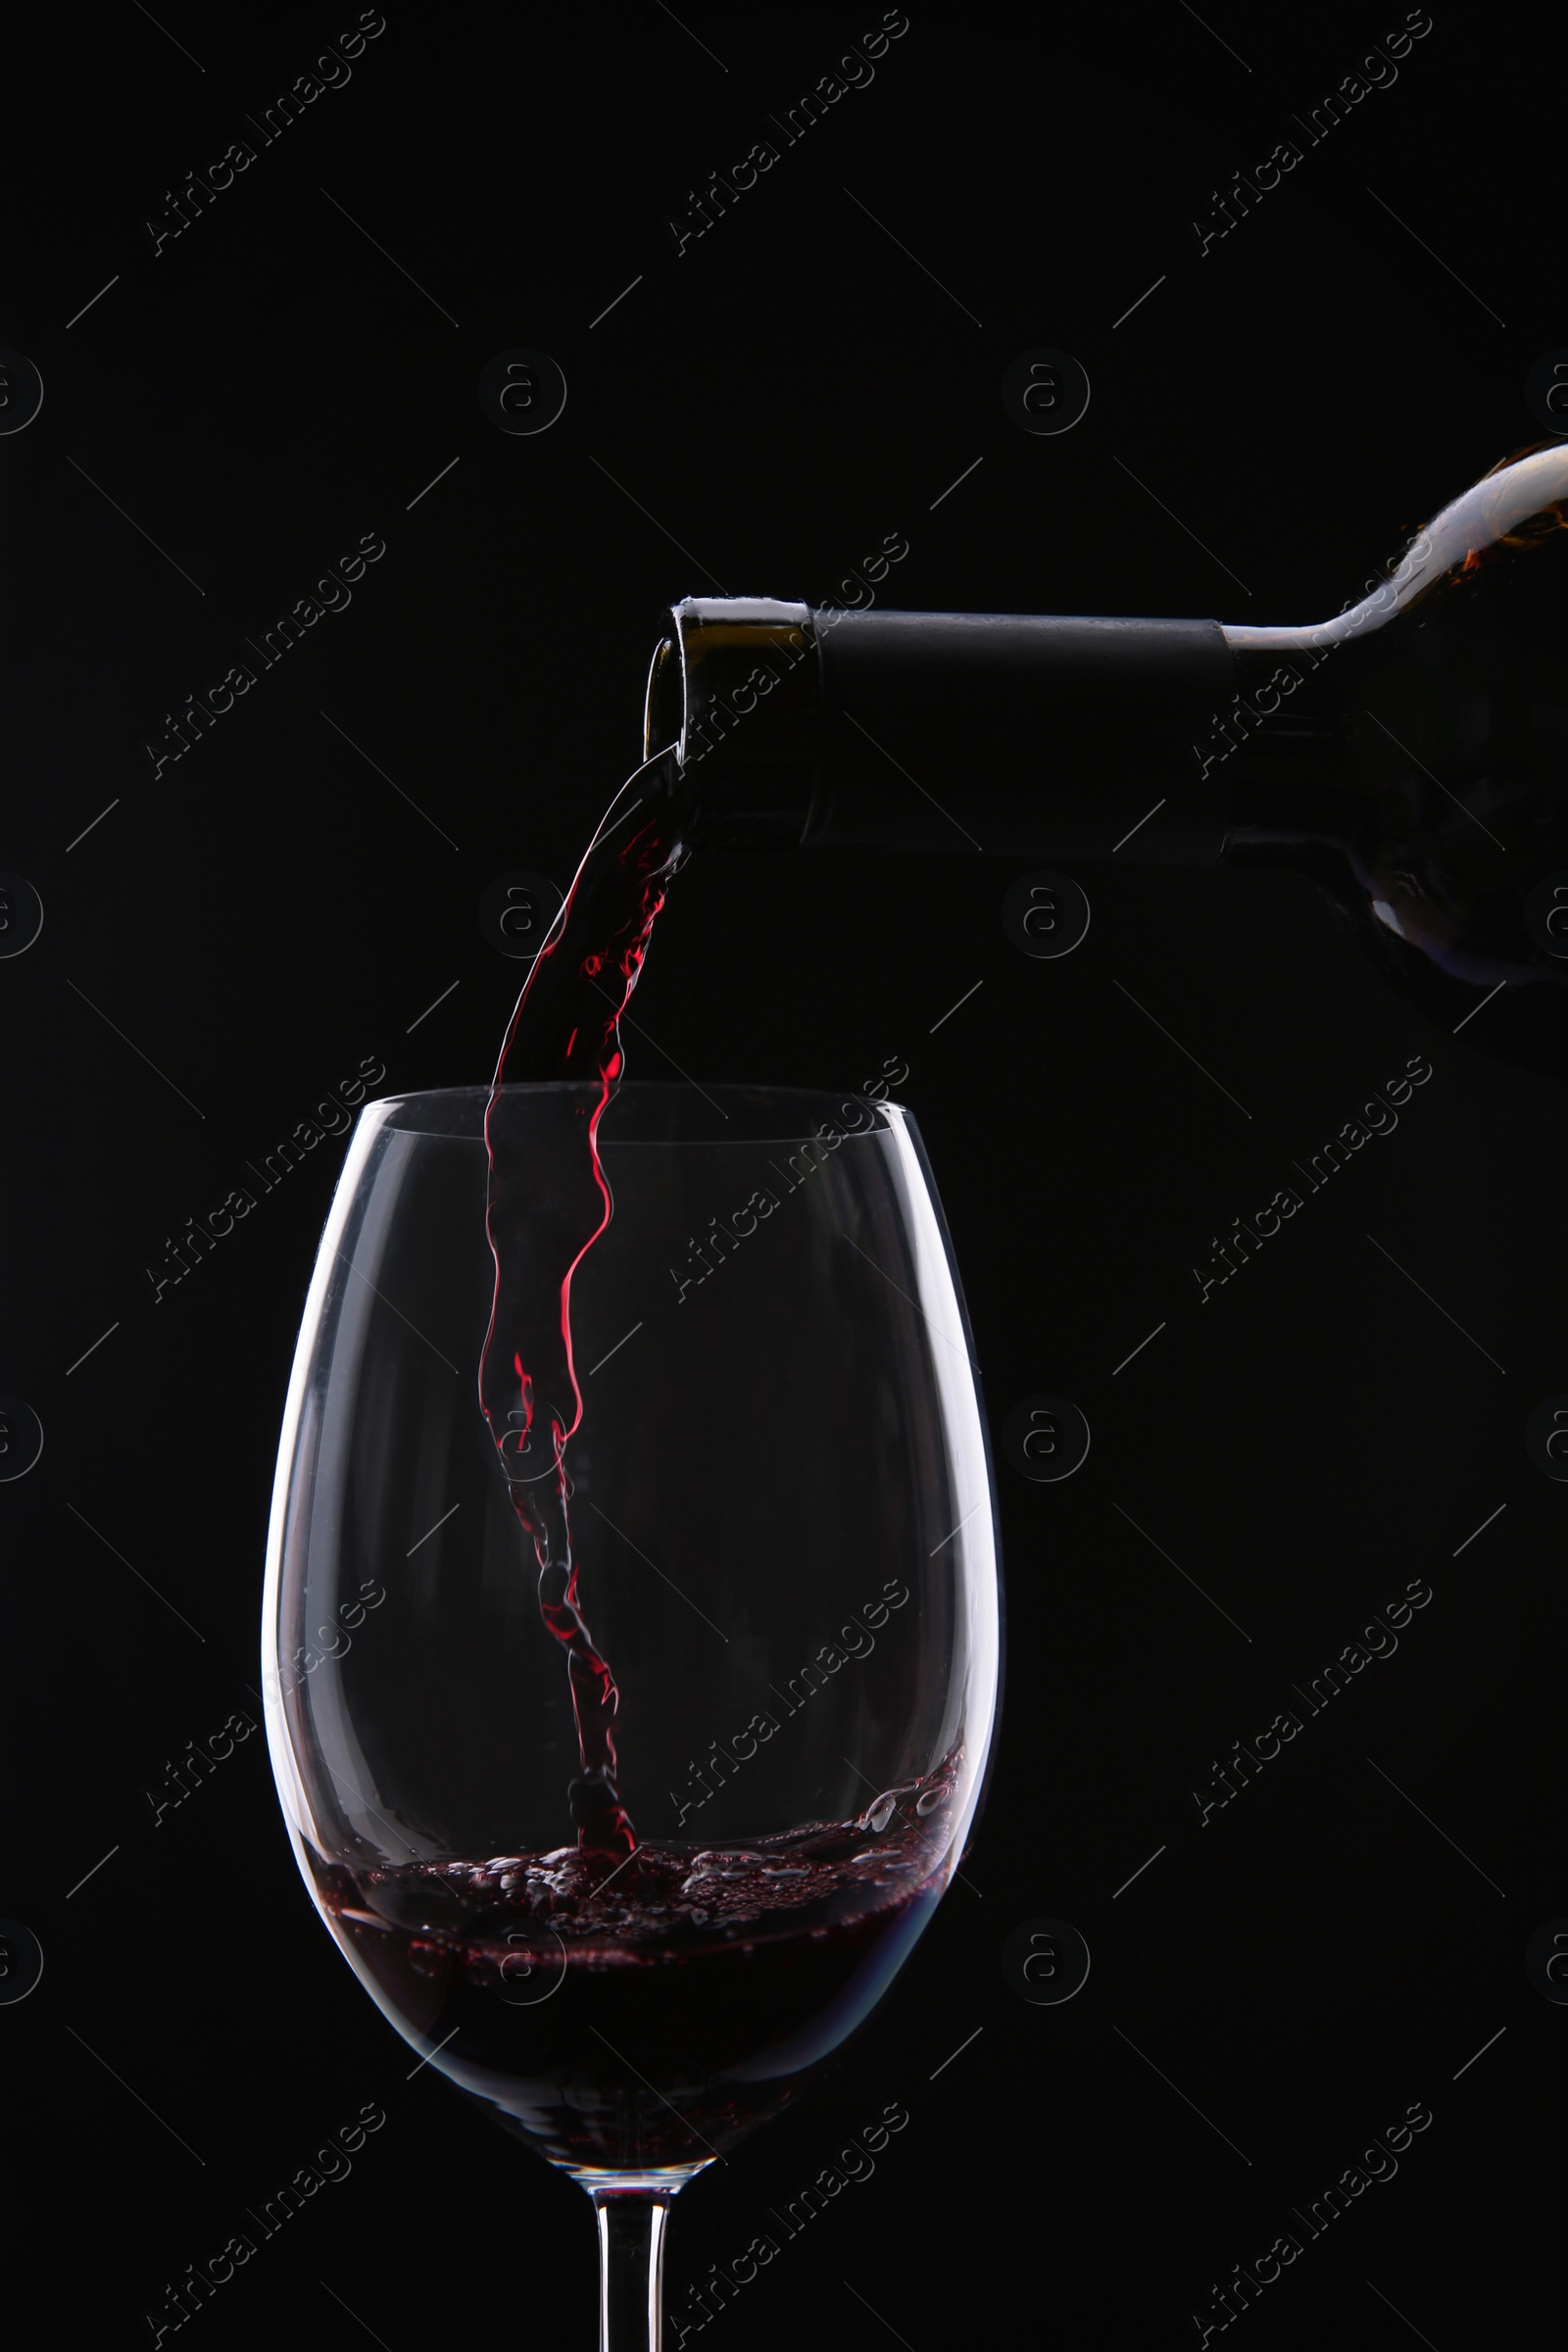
<point>269,911</point>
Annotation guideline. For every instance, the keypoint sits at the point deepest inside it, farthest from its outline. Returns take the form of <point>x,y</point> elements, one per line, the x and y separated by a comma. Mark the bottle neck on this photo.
<point>948,731</point>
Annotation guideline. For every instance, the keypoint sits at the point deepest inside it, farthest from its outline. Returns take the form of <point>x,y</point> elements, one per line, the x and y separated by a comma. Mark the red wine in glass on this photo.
<point>613,1556</point>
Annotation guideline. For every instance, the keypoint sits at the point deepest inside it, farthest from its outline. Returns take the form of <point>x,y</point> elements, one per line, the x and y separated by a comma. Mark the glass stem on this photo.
<point>631,2268</point>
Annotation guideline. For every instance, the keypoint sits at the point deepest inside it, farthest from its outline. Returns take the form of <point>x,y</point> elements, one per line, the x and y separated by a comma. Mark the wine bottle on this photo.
<point>1410,752</point>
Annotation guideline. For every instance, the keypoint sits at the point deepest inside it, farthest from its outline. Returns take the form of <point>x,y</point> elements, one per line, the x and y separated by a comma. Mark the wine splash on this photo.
<point>731,1970</point>
<point>567,1026</point>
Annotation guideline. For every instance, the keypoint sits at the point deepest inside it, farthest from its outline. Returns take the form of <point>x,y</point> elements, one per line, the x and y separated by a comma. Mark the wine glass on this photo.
<point>782,1528</point>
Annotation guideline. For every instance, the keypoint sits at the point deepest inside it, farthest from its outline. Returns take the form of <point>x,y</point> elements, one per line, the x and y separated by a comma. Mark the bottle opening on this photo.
<point>664,707</point>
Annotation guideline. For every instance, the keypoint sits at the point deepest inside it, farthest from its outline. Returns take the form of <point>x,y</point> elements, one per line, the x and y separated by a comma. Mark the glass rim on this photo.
<point>802,1110</point>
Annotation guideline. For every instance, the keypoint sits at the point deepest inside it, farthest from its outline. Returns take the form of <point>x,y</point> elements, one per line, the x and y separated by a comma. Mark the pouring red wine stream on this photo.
<point>566,1027</point>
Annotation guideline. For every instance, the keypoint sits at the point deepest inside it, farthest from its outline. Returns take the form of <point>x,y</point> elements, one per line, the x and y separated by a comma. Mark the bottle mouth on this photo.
<point>664,706</point>
<point>734,689</point>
